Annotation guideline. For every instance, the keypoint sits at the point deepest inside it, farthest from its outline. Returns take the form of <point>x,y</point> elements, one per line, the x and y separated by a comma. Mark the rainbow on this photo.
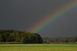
<point>44,23</point>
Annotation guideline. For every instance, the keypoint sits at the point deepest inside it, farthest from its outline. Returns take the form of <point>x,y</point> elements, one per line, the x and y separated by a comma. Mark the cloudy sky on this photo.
<point>23,14</point>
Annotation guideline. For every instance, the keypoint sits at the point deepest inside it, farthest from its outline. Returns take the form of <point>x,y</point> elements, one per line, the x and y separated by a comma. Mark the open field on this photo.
<point>38,47</point>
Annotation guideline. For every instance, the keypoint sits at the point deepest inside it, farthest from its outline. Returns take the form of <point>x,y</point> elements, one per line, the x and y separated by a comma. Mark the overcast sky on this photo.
<point>22,14</point>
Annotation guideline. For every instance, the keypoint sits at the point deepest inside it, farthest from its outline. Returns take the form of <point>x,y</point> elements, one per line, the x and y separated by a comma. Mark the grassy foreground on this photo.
<point>38,47</point>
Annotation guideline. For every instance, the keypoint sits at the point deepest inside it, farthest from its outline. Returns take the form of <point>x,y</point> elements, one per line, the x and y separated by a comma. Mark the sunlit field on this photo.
<point>38,47</point>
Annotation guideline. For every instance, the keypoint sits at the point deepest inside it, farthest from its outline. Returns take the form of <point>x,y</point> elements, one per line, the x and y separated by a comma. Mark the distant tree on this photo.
<point>76,38</point>
<point>33,38</point>
<point>66,40</point>
<point>1,39</point>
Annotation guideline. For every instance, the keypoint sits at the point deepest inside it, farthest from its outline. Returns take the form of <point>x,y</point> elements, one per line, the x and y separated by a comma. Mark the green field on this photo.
<point>38,47</point>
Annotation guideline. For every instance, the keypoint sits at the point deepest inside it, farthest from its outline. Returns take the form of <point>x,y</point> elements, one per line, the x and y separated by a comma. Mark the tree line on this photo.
<point>23,37</point>
<point>60,40</point>
<point>14,36</point>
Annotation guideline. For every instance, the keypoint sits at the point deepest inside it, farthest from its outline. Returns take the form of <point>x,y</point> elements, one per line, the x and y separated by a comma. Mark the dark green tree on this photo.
<point>76,38</point>
<point>32,39</point>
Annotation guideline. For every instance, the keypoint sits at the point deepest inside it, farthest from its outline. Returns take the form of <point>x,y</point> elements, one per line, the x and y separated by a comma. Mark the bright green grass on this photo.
<point>38,47</point>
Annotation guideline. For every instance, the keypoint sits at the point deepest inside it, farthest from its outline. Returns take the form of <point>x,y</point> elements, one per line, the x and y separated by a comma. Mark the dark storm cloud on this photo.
<point>22,14</point>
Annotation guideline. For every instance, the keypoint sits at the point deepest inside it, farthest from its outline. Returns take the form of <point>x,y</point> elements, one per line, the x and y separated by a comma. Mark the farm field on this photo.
<point>38,47</point>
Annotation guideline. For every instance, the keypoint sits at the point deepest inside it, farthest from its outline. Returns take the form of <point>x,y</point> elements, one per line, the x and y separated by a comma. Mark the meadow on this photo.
<point>38,47</point>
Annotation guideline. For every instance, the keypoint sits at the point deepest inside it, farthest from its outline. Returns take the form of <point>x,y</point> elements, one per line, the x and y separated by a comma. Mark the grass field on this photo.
<point>38,47</point>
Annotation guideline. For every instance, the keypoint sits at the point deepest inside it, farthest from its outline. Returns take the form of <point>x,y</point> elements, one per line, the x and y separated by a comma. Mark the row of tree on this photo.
<point>60,40</point>
<point>19,37</point>
<point>13,36</point>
